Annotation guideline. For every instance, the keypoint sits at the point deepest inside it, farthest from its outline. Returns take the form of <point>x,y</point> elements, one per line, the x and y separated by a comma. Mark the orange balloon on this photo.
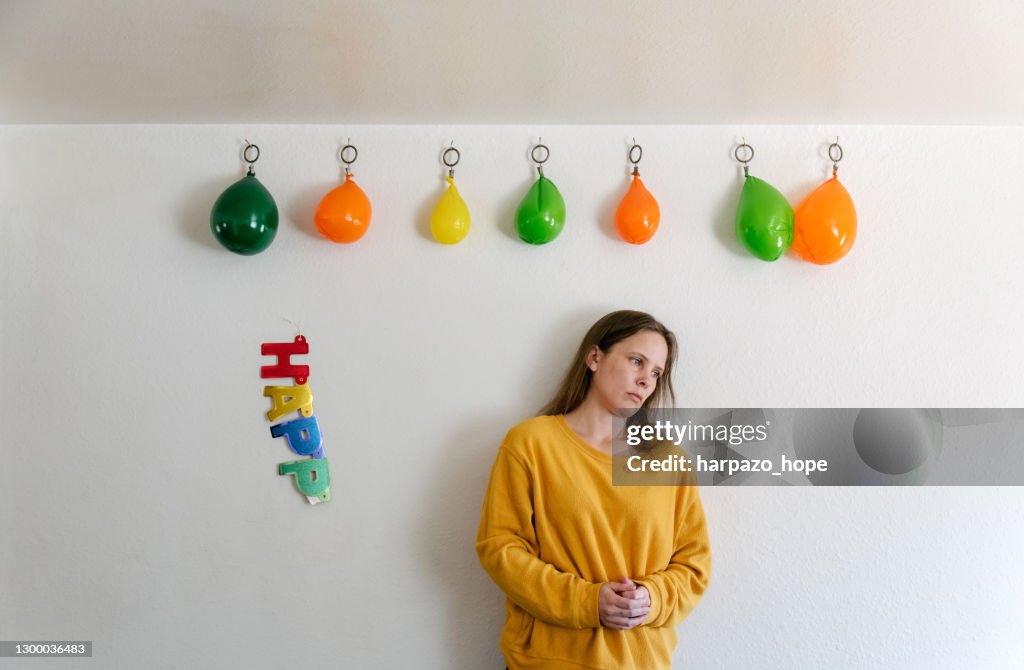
<point>344,213</point>
<point>638,214</point>
<point>825,224</point>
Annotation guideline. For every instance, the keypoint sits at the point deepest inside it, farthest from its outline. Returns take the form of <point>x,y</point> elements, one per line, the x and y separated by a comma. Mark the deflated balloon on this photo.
<point>450,221</point>
<point>541,214</point>
<point>344,213</point>
<point>826,224</point>
<point>244,217</point>
<point>638,214</point>
<point>764,219</point>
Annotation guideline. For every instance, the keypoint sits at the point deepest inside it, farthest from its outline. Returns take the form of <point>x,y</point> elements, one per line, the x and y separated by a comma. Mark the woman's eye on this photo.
<point>636,361</point>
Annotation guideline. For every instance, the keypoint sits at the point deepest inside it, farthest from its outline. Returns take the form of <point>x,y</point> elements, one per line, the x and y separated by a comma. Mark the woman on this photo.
<point>596,576</point>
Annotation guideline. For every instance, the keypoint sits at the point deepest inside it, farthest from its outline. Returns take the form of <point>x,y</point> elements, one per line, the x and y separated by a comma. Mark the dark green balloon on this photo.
<point>764,220</point>
<point>244,218</point>
<point>541,214</point>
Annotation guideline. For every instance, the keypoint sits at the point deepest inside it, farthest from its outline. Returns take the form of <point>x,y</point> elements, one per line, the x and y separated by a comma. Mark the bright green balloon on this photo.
<point>764,220</point>
<point>541,214</point>
<point>244,218</point>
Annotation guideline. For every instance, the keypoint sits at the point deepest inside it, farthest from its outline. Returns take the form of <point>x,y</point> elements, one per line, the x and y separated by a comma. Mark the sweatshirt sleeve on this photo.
<point>508,550</point>
<point>677,589</point>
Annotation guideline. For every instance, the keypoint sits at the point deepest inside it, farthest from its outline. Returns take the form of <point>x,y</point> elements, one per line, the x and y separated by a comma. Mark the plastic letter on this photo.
<point>293,431</point>
<point>312,476</point>
<point>284,351</point>
<point>289,399</point>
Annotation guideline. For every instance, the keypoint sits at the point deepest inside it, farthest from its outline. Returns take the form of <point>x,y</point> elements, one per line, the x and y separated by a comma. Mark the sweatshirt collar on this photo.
<point>582,445</point>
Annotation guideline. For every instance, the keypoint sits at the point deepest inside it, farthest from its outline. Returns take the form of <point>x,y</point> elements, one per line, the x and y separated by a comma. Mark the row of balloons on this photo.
<point>821,230</point>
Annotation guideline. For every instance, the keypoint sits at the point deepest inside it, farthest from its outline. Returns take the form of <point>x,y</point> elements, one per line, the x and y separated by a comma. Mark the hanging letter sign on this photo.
<point>301,432</point>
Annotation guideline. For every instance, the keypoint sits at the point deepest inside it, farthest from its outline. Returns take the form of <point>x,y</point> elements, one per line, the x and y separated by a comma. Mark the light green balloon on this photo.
<point>764,220</point>
<point>541,214</point>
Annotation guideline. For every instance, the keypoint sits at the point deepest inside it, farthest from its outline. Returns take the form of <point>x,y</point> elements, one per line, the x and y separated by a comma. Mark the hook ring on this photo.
<point>245,153</point>
<point>533,154</point>
<point>736,153</point>
<point>639,155</point>
<point>833,157</point>
<point>453,163</point>
<point>355,154</point>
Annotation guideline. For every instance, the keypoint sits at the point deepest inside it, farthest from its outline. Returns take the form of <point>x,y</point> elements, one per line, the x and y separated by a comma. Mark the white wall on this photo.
<point>139,501</point>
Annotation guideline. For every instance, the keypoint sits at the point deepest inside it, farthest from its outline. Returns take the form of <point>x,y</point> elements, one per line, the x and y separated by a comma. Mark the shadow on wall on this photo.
<point>301,212</point>
<point>506,209</point>
<point>724,217</point>
<point>426,209</point>
<point>193,215</point>
<point>473,604</point>
<point>609,207</point>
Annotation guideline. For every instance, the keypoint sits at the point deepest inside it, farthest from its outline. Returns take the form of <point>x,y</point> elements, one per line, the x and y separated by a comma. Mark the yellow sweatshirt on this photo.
<point>554,529</point>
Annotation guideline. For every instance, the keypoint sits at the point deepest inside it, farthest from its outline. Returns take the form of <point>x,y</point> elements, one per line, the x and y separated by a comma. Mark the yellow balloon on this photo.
<point>450,221</point>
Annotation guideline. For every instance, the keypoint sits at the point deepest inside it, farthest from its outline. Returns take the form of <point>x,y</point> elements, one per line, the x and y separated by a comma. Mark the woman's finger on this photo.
<point>624,603</point>
<point>623,623</point>
<point>627,616</point>
<point>633,612</point>
<point>625,611</point>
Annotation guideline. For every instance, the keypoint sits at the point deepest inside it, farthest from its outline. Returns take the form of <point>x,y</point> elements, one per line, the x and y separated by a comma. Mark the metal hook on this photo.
<point>745,161</point>
<point>540,161</point>
<point>451,165</point>
<point>347,162</point>
<point>833,157</point>
<point>640,155</point>
<point>245,155</point>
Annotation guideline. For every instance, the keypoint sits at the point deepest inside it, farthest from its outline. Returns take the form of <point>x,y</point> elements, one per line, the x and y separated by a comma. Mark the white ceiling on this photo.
<point>590,62</point>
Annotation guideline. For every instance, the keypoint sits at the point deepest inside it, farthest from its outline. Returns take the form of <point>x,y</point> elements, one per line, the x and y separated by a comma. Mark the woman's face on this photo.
<point>627,374</point>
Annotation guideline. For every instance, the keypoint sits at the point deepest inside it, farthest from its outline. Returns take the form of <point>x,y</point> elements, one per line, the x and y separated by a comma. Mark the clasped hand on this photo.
<point>623,604</point>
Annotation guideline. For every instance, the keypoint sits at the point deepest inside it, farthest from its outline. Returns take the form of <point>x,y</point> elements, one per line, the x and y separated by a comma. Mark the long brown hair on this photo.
<point>606,333</point>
